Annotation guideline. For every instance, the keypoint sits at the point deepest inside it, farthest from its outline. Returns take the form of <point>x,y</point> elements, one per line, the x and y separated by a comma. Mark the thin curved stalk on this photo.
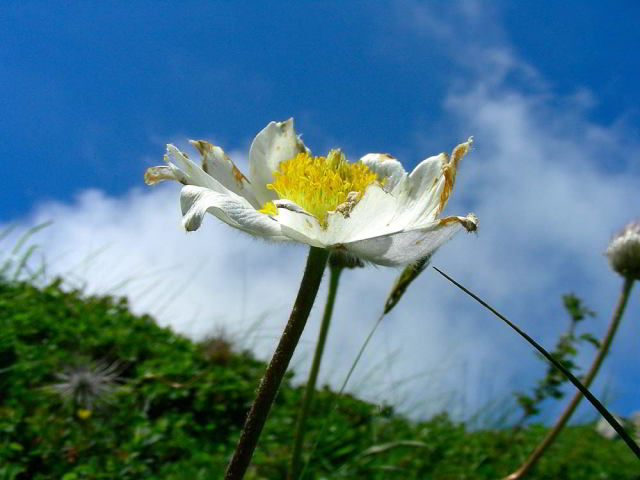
<point>296,457</point>
<point>593,400</point>
<point>270,383</point>
<point>575,401</point>
<point>408,275</point>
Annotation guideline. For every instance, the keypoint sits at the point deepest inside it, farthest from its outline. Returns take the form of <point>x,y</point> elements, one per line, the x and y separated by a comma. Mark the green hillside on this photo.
<point>90,391</point>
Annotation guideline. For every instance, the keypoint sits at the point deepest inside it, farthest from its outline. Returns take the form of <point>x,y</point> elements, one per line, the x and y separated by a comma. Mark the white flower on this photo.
<point>624,251</point>
<point>372,209</point>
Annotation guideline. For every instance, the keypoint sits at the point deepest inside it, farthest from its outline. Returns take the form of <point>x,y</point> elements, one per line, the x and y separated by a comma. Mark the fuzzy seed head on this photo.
<point>87,386</point>
<point>624,251</point>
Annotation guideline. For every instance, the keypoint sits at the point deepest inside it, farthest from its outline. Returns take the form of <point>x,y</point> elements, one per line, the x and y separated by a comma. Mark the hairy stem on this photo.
<point>278,366</point>
<point>296,458</point>
<point>595,366</point>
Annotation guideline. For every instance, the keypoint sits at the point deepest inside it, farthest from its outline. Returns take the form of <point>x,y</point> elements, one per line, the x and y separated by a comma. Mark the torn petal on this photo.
<point>449,173</point>
<point>193,174</point>
<point>154,175</point>
<point>217,164</point>
<point>423,195</point>
<point>470,222</point>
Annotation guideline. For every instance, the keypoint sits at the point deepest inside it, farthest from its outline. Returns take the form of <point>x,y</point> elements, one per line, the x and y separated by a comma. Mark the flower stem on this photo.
<point>278,366</point>
<point>595,366</point>
<point>294,468</point>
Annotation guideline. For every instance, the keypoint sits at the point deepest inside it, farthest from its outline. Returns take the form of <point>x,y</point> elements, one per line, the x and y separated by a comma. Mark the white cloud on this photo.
<point>549,187</point>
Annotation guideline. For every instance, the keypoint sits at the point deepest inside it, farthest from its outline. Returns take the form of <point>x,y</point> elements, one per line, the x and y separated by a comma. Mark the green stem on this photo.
<point>408,275</point>
<point>595,366</point>
<point>294,468</point>
<point>278,366</point>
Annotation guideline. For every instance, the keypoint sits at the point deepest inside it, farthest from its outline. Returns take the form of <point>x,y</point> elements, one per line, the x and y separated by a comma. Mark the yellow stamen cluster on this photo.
<point>319,184</point>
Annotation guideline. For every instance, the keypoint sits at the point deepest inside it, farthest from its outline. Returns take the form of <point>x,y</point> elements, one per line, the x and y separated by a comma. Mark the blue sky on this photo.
<point>87,91</point>
<point>90,94</point>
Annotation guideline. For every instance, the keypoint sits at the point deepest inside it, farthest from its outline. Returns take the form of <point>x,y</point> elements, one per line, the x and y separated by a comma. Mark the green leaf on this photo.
<point>591,339</point>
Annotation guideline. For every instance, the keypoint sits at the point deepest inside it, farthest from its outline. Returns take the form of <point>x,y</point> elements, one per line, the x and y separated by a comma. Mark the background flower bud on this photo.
<point>624,251</point>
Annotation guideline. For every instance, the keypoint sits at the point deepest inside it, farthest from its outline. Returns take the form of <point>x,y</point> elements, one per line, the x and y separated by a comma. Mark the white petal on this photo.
<point>218,165</point>
<point>386,167</point>
<point>230,208</point>
<point>154,175</point>
<point>412,200</point>
<point>372,216</point>
<point>301,227</point>
<point>424,193</point>
<point>417,194</point>
<point>275,143</point>
<point>192,172</point>
<point>409,246</point>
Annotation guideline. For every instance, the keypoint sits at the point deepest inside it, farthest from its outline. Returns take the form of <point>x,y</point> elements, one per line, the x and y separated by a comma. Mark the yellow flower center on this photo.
<point>320,184</point>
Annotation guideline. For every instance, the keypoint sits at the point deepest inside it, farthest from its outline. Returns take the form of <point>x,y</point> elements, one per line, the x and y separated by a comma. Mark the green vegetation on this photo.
<point>172,409</point>
<point>566,349</point>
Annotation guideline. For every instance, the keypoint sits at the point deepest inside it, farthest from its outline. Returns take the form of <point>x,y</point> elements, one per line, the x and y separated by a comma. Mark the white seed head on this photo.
<point>624,251</point>
<point>87,385</point>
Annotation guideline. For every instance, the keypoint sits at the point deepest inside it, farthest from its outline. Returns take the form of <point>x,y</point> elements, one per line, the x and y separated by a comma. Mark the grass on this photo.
<point>178,406</point>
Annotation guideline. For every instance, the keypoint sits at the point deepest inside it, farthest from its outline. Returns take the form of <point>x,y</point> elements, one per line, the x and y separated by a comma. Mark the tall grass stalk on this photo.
<point>408,275</point>
<point>593,400</point>
<point>588,379</point>
<point>18,260</point>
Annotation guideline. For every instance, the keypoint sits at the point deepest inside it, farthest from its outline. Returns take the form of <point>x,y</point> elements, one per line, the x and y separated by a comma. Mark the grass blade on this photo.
<point>588,395</point>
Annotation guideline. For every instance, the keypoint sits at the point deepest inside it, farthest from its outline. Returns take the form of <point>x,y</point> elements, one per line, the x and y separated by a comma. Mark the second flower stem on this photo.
<point>296,458</point>
<point>270,383</point>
